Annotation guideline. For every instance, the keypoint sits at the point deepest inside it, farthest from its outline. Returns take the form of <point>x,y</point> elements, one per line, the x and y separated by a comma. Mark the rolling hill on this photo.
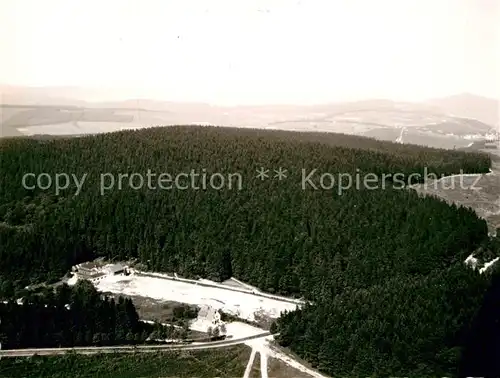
<point>453,122</point>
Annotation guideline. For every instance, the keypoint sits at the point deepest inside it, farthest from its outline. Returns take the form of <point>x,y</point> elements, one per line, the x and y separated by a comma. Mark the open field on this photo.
<point>243,305</point>
<point>419,136</point>
<point>412,123</point>
<point>53,120</point>
<point>150,309</point>
<point>480,192</point>
<point>160,311</point>
<point>227,362</point>
<point>217,362</point>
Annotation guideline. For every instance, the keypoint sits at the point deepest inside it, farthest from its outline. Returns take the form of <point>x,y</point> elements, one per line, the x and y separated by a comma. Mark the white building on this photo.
<point>94,271</point>
<point>208,318</point>
<point>114,269</point>
<point>209,315</point>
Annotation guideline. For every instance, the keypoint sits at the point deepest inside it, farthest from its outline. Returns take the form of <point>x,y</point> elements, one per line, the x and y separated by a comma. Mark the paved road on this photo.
<point>127,348</point>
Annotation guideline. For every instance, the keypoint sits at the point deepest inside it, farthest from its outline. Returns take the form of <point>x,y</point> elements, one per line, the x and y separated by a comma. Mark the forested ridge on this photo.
<point>384,267</point>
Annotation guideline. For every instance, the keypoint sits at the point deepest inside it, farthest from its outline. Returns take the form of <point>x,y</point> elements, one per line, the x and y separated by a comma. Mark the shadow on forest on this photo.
<point>481,355</point>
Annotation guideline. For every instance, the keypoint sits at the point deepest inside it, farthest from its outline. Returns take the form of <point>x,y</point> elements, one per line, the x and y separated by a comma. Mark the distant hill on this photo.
<point>468,105</point>
<point>46,96</point>
<point>449,122</point>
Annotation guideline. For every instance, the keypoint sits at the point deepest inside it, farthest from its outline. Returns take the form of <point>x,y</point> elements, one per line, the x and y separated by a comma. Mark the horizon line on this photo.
<point>219,104</point>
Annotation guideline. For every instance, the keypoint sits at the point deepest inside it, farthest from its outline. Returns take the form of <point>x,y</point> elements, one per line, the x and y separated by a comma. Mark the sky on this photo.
<point>254,52</point>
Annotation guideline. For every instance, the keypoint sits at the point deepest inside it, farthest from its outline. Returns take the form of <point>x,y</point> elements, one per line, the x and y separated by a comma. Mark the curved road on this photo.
<point>127,348</point>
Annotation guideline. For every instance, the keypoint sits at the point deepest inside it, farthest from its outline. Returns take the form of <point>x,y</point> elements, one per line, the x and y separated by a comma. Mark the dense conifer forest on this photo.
<point>75,316</point>
<point>383,266</point>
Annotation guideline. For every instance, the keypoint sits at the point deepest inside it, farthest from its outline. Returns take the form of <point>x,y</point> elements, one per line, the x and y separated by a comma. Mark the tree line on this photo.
<point>77,315</point>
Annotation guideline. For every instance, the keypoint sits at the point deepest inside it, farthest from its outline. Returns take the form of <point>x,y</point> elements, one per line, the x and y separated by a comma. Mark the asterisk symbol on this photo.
<point>280,174</point>
<point>262,173</point>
